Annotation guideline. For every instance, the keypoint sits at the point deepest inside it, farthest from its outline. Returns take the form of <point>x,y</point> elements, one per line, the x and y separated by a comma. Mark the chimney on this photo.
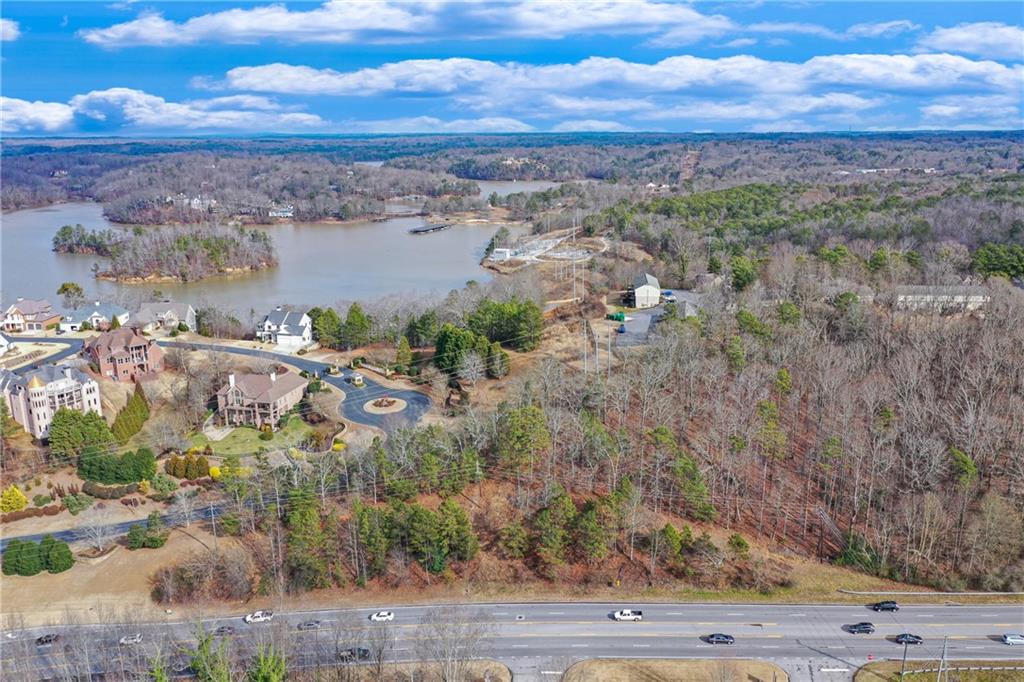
<point>278,308</point>
<point>273,377</point>
<point>67,372</point>
<point>231,380</point>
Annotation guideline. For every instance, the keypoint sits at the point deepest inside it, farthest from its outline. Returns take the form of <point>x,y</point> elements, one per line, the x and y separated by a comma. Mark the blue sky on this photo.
<point>354,66</point>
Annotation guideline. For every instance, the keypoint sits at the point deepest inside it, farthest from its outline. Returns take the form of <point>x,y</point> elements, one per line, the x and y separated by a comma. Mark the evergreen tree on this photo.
<point>498,362</point>
<point>373,538</point>
<point>305,542</point>
<point>71,432</point>
<point>590,537</point>
<point>59,557</point>
<point>356,331</point>
<point>12,557</point>
<point>514,540</point>
<point>426,542</point>
<point>743,272</point>
<point>327,328</point>
<point>268,666</point>
<point>403,355</point>
<point>457,531</point>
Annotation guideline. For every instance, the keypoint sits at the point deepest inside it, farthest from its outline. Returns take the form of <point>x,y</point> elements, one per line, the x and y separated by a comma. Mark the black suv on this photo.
<point>885,606</point>
<point>907,638</point>
<point>354,654</point>
<point>224,630</point>
<point>47,640</point>
<point>861,629</point>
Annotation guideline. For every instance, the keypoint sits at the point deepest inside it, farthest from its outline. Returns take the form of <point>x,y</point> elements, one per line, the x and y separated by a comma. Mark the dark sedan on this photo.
<point>885,606</point>
<point>860,629</point>
<point>907,638</point>
<point>47,640</point>
<point>224,630</point>
<point>310,625</point>
<point>719,638</point>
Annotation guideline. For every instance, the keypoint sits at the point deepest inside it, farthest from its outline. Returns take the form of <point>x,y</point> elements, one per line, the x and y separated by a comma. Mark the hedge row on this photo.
<point>109,492</point>
<point>31,512</point>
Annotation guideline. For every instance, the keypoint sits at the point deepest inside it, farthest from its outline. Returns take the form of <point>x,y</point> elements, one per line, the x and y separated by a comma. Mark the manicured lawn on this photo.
<point>246,441</point>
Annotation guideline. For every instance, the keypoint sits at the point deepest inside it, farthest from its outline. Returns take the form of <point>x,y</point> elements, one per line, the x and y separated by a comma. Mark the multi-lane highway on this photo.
<point>534,640</point>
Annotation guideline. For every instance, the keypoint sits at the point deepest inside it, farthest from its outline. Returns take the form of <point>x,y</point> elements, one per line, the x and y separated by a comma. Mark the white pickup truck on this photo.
<point>629,614</point>
<point>259,617</point>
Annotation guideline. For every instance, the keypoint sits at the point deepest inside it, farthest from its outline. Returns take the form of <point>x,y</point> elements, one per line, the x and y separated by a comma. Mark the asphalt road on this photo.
<point>538,640</point>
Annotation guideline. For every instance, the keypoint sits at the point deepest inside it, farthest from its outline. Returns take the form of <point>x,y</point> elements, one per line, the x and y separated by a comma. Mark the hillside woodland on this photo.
<point>802,406</point>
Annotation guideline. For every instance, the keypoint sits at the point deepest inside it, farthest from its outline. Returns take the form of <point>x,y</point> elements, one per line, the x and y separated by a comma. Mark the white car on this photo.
<point>382,616</point>
<point>1012,638</point>
<point>259,617</point>
<point>130,639</point>
<point>629,614</point>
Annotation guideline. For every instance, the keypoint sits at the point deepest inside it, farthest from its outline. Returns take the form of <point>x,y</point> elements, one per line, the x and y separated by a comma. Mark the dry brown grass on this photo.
<point>665,670</point>
<point>889,671</point>
<point>479,671</point>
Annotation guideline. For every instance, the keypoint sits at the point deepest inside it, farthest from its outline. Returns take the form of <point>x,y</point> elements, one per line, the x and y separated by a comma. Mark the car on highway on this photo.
<point>224,631</point>
<point>128,640</point>
<point>382,616</point>
<point>628,614</point>
<point>907,638</point>
<point>885,606</point>
<point>1013,638</point>
<point>354,654</point>
<point>47,640</point>
<point>860,628</point>
<point>309,625</point>
<point>259,617</point>
<point>719,638</point>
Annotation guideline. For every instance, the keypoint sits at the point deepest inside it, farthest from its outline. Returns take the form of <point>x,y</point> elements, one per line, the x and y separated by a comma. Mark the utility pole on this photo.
<point>213,520</point>
<point>903,668</point>
<point>942,661</point>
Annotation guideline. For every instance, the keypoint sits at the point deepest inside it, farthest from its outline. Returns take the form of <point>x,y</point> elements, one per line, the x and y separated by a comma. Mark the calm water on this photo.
<point>318,264</point>
<point>506,187</point>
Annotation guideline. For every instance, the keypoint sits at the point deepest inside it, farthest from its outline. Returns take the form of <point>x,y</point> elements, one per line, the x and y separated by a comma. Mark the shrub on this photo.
<point>215,473</point>
<point>109,492</point>
<point>128,467</point>
<point>12,499</point>
<point>77,503</point>
<point>739,546</point>
<point>163,485</point>
<point>266,435</point>
<point>41,500</point>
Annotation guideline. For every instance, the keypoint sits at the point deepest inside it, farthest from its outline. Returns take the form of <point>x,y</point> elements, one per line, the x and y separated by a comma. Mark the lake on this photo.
<point>318,264</point>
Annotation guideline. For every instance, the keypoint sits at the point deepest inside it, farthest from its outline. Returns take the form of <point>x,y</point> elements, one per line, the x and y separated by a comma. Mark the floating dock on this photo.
<point>427,229</point>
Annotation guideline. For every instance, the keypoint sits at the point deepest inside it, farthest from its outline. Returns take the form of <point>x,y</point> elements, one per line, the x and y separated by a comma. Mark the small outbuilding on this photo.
<point>646,291</point>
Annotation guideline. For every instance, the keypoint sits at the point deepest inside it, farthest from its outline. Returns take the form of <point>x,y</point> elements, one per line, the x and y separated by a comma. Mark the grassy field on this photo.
<point>245,440</point>
<point>478,671</point>
<point>643,670</point>
<point>889,671</point>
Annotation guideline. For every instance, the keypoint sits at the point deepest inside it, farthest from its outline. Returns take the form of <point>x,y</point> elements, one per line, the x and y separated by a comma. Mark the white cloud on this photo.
<point>430,124</point>
<point>484,84</point>
<point>116,109</point>
<point>596,104</point>
<point>9,30</point>
<point>1001,110</point>
<point>336,21</point>
<point>985,39</point>
<point>677,23</point>
<point>765,109</point>
<point>795,27</point>
<point>885,29</point>
<point>740,42</point>
<point>590,126</point>
<point>125,107</point>
<point>22,116</point>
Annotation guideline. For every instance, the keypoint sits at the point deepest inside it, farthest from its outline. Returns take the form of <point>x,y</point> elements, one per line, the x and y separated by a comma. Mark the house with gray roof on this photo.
<point>646,292</point>
<point>30,315</point>
<point>258,399</point>
<point>34,397</point>
<point>99,316</point>
<point>289,329</point>
<point>164,316</point>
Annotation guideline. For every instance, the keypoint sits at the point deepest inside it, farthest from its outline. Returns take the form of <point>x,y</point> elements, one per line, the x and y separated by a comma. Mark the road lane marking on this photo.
<point>770,646</point>
<point>556,613</point>
<point>520,646</point>
<point>579,646</point>
<point>734,614</point>
<point>674,613</point>
<point>641,645</point>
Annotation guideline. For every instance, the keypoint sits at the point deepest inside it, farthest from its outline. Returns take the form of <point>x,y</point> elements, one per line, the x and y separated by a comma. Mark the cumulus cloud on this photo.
<point>511,81</point>
<point>9,30</point>
<point>591,126</point>
<point>885,29</point>
<point>336,21</point>
<point>765,108</point>
<point>22,116</point>
<point>429,124</point>
<point>117,109</point>
<point>994,110</point>
<point>985,39</point>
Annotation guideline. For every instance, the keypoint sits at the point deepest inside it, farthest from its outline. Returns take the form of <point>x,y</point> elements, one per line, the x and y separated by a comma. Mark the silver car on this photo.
<point>1013,638</point>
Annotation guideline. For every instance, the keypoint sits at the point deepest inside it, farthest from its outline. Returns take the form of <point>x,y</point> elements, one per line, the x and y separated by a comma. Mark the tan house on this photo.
<point>124,354</point>
<point>29,315</point>
<point>258,399</point>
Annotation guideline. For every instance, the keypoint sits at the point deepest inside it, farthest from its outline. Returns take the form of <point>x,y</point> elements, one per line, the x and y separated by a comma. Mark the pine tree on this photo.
<point>305,542</point>
<point>457,531</point>
<point>12,557</point>
<point>59,558</point>
<point>591,539</point>
<point>356,330</point>
<point>403,355</point>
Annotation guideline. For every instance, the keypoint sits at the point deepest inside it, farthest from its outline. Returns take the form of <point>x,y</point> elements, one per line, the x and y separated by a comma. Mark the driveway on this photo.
<point>351,407</point>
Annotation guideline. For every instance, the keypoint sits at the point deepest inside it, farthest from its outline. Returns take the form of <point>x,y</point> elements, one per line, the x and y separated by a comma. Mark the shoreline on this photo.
<point>148,279</point>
